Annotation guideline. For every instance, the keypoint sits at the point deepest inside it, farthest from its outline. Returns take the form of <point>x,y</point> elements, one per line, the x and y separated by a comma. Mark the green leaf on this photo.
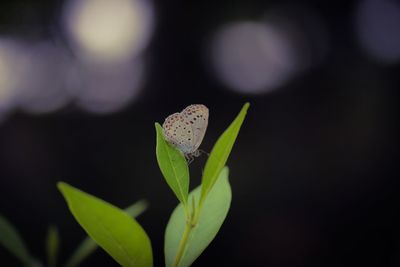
<point>220,153</point>
<point>11,240</point>
<point>88,246</point>
<point>213,214</point>
<point>173,166</point>
<point>112,229</point>
<point>52,246</point>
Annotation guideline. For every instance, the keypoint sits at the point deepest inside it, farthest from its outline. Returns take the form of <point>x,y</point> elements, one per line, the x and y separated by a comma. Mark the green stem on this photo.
<point>182,244</point>
<point>187,212</point>
<point>196,215</point>
<point>191,222</point>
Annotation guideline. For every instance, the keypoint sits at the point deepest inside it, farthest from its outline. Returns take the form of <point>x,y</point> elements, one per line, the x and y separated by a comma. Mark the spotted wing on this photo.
<point>178,132</point>
<point>197,117</point>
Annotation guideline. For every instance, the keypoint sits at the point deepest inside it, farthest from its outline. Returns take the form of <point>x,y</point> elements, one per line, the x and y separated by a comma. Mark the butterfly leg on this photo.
<point>189,158</point>
<point>203,152</point>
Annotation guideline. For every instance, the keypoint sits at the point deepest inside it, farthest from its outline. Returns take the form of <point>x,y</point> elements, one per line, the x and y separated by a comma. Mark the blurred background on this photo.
<point>314,172</point>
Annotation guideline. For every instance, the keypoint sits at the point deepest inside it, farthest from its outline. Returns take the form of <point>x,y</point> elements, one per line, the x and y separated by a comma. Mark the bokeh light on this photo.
<point>109,88</point>
<point>103,30</point>
<point>35,77</point>
<point>11,72</point>
<point>42,77</point>
<point>377,25</point>
<point>306,31</point>
<point>7,81</point>
<point>262,55</point>
<point>252,57</point>
<point>49,76</point>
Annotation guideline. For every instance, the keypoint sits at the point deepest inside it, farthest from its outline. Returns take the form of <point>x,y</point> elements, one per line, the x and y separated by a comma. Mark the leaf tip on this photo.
<point>246,106</point>
<point>143,203</point>
<point>62,186</point>
<point>157,125</point>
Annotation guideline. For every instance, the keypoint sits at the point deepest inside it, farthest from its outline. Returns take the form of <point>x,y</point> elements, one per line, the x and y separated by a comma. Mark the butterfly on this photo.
<point>185,130</point>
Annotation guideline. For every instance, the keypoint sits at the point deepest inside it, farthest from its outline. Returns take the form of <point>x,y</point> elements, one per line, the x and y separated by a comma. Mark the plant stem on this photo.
<point>196,215</point>
<point>191,222</point>
<point>182,244</point>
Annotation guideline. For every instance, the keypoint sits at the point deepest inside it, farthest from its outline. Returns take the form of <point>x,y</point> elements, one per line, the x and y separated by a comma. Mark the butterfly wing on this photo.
<point>197,117</point>
<point>177,132</point>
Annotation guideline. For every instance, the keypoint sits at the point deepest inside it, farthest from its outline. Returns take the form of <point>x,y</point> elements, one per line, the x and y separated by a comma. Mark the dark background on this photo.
<point>314,171</point>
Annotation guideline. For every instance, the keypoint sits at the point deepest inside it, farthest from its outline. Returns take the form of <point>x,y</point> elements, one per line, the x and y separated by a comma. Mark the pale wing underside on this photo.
<point>178,132</point>
<point>197,116</point>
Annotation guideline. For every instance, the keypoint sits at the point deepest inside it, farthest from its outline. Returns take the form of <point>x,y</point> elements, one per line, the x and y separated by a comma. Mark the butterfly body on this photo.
<point>185,130</point>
